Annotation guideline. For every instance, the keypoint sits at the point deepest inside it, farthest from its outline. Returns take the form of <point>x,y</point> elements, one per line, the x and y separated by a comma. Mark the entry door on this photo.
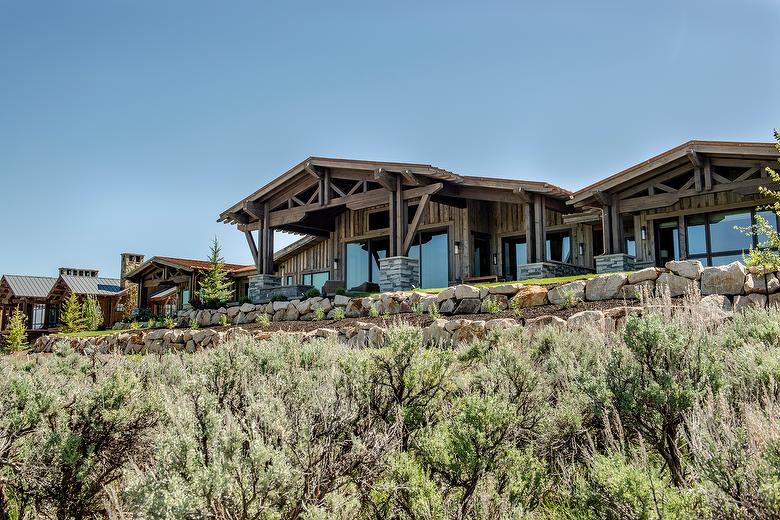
<point>667,241</point>
<point>481,255</point>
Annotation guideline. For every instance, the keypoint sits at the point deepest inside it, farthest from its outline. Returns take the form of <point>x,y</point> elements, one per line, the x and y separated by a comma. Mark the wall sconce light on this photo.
<point>495,258</point>
<point>644,233</point>
<point>581,248</point>
<point>335,264</point>
<point>457,248</point>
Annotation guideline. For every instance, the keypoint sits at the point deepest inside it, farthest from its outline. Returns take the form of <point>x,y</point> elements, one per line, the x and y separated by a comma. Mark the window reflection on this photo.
<point>515,255</point>
<point>559,246</point>
<point>719,238</point>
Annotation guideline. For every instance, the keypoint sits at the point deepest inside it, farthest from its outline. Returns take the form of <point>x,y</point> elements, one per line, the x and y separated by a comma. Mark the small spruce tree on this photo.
<point>17,331</point>
<point>216,286</point>
<point>71,318</point>
<point>92,313</point>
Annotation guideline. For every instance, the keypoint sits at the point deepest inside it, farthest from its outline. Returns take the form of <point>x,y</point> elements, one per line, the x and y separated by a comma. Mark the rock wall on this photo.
<point>725,288</point>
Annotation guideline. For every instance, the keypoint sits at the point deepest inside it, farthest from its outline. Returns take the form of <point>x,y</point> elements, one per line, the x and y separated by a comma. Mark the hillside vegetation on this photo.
<point>672,418</point>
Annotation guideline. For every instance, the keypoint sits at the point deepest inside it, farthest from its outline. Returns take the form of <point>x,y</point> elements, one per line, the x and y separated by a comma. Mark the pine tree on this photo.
<point>93,314</point>
<point>216,287</point>
<point>17,331</point>
<point>71,317</point>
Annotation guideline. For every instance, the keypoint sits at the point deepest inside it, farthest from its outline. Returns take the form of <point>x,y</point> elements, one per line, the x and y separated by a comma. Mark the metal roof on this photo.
<point>163,293</point>
<point>93,285</point>
<point>30,286</point>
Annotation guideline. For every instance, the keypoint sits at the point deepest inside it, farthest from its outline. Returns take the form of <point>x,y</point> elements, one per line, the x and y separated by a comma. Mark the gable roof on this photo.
<point>29,286</point>
<point>186,264</point>
<point>92,285</point>
<point>726,148</point>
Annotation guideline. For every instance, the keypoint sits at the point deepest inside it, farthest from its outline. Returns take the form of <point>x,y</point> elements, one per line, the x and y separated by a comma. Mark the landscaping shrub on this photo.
<point>71,316</point>
<point>668,418</point>
<point>92,313</point>
<point>278,298</point>
<point>16,337</point>
<point>312,293</point>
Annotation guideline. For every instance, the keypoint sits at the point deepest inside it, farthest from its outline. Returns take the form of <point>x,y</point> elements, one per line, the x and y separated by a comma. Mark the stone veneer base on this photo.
<point>549,270</point>
<point>398,273</point>
<point>617,263</point>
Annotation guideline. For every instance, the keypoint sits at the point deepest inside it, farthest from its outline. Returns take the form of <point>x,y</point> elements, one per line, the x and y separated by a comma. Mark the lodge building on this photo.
<point>370,225</point>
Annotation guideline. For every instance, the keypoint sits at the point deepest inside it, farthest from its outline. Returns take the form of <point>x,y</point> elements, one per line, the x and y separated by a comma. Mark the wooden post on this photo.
<point>392,217</point>
<point>400,218</point>
<point>266,233</point>
<point>540,232</point>
<point>681,236</point>
<point>618,244</point>
<point>529,232</point>
<point>606,230</point>
<point>707,174</point>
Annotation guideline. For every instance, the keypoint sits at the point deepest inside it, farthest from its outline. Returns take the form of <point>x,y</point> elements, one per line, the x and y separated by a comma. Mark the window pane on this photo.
<point>357,264</point>
<point>434,259</point>
<point>307,279</point>
<point>724,236</point>
<point>379,249</point>
<point>289,280</point>
<point>771,219</point>
<point>697,239</point>
<point>515,254</point>
<point>558,247</point>
<point>726,259</point>
<point>319,279</point>
<point>630,247</point>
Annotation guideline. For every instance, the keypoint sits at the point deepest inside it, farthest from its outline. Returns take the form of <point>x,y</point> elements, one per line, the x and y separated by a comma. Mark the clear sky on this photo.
<point>129,125</point>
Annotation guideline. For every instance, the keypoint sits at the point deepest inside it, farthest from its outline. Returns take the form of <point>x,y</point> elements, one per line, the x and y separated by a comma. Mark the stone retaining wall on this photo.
<point>730,286</point>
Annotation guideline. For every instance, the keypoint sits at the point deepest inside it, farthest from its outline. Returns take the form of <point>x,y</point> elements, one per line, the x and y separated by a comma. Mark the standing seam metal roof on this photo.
<point>93,285</point>
<point>30,286</point>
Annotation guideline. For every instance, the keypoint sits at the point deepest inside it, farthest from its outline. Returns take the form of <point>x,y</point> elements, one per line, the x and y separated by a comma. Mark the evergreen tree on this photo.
<point>17,331</point>
<point>216,287</point>
<point>71,318</point>
<point>92,313</point>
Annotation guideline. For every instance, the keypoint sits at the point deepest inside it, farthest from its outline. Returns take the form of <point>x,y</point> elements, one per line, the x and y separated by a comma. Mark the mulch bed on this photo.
<point>424,320</point>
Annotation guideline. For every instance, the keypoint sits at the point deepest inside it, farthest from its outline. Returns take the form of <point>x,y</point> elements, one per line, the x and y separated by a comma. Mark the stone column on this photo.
<point>398,273</point>
<point>261,281</point>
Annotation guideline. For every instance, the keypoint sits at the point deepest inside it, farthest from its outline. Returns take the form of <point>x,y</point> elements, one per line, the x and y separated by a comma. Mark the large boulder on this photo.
<point>448,306</point>
<point>691,269</point>
<point>759,283</point>
<point>466,291</point>
<point>469,306</point>
<point>341,300</point>
<point>714,307</point>
<point>643,275</point>
<point>724,279</point>
<point>436,333</point>
<point>605,287</point>
<point>247,308</point>
<point>677,285</point>
<point>470,331</point>
<point>500,324</point>
<point>446,294</point>
<point>507,289</point>
<point>749,301</point>
<point>636,290</point>
<point>557,295</point>
<point>545,321</point>
<point>586,320</point>
<point>529,296</point>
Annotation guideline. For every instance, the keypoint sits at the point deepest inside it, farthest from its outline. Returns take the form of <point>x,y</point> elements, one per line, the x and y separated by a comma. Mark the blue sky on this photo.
<point>129,125</point>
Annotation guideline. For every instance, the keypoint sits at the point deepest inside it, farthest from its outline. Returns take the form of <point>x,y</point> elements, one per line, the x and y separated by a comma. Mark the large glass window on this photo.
<point>363,261</point>
<point>718,238</point>
<point>515,254</point>
<point>559,246</point>
<point>432,249</point>
<point>316,280</point>
<point>288,280</point>
<point>185,298</point>
<point>38,315</point>
<point>667,241</point>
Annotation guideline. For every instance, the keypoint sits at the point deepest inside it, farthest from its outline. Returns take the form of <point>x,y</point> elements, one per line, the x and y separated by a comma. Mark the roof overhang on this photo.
<point>690,151</point>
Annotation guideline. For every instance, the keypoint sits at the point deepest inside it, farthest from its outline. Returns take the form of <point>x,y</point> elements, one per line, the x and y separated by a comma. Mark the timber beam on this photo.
<point>385,179</point>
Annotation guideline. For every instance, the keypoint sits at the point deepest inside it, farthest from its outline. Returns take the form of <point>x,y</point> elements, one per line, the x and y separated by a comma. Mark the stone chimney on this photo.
<point>129,262</point>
